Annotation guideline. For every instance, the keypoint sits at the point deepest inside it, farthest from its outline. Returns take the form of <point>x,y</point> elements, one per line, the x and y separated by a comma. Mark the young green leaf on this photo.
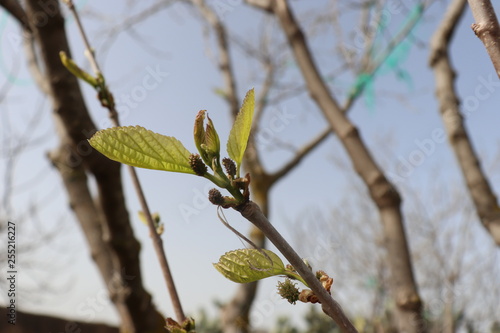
<point>206,139</point>
<point>139,147</point>
<point>248,265</point>
<point>238,137</point>
<point>77,71</point>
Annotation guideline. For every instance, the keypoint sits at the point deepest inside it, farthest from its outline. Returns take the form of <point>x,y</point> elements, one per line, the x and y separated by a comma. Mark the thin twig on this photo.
<point>253,213</point>
<point>225,64</point>
<point>157,241</point>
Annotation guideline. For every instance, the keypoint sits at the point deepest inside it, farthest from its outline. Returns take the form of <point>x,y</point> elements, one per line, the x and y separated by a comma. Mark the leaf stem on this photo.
<point>297,277</point>
<point>216,180</point>
<point>221,180</point>
<point>252,212</point>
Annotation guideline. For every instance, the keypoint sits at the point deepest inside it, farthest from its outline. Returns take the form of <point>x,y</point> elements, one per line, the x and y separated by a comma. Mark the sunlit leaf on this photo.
<point>238,137</point>
<point>139,147</point>
<point>248,265</point>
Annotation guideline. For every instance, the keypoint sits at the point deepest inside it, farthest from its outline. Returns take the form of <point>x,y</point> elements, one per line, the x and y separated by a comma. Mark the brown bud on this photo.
<point>325,280</point>
<point>216,197</point>
<point>230,166</point>
<point>197,164</point>
<point>308,296</point>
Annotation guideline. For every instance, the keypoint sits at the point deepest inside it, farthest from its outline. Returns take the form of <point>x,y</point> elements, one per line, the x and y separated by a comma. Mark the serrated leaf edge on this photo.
<point>104,144</point>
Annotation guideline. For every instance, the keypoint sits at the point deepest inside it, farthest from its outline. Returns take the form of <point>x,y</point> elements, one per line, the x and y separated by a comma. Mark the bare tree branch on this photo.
<point>383,193</point>
<point>487,29</point>
<point>265,5</point>
<point>480,190</point>
<point>33,63</point>
<point>28,322</point>
<point>14,8</point>
<point>111,33</point>
<point>252,213</point>
<point>133,302</point>
<point>155,237</point>
<point>225,65</point>
<point>373,66</point>
<point>262,98</point>
<point>300,154</point>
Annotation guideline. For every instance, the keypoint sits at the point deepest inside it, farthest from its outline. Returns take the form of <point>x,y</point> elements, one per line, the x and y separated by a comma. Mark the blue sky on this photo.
<point>172,45</point>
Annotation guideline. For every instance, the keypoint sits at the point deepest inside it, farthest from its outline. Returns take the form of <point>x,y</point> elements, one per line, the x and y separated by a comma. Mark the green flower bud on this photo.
<point>206,139</point>
<point>288,291</point>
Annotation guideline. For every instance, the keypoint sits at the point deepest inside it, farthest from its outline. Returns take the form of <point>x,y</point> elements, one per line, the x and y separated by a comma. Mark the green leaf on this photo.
<point>238,137</point>
<point>77,71</point>
<point>139,147</point>
<point>248,265</point>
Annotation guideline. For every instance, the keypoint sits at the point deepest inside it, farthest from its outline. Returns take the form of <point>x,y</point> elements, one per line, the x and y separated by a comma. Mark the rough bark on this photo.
<point>385,196</point>
<point>482,194</point>
<point>84,207</point>
<point>118,254</point>
<point>29,322</point>
<point>487,29</point>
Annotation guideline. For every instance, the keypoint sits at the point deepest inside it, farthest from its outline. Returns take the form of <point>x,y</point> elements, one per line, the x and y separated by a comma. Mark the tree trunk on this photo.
<point>28,322</point>
<point>385,196</point>
<point>105,222</point>
<point>480,190</point>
